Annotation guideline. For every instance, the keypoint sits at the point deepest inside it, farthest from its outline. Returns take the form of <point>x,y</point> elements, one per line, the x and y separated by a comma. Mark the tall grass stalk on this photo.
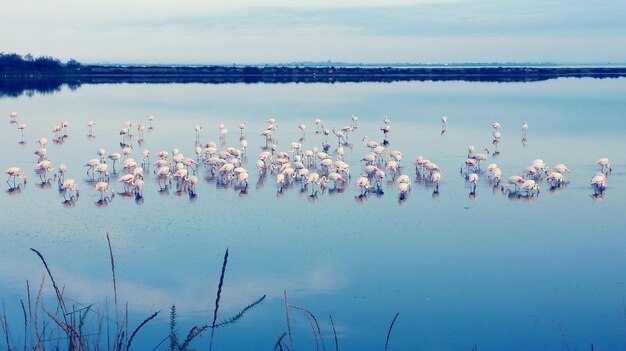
<point>288,321</point>
<point>312,320</point>
<point>217,298</point>
<point>389,331</point>
<point>334,333</point>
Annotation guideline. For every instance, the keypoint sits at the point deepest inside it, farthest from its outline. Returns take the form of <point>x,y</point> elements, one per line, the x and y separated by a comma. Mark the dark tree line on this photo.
<point>16,65</point>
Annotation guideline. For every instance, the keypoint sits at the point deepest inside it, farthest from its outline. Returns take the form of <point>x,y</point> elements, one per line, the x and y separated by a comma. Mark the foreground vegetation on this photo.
<point>70,325</point>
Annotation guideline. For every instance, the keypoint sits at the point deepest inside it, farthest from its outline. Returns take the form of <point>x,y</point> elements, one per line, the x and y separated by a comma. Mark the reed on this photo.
<point>334,333</point>
<point>316,332</point>
<point>389,331</point>
<point>280,342</point>
<point>25,323</point>
<point>288,322</point>
<point>141,325</point>
<point>67,326</point>
<point>5,325</point>
<point>217,298</point>
<point>37,302</point>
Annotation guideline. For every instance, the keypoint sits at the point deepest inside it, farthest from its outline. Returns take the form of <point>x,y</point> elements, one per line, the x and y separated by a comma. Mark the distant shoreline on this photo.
<point>320,73</point>
<point>15,82</point>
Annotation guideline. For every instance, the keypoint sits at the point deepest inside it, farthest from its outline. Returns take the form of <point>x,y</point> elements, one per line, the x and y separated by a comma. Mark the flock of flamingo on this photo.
<point>315,171</point>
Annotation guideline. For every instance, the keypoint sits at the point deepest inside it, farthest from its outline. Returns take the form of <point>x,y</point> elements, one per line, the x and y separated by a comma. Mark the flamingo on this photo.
<point>403,190</point>
<point>223,132</point>
<point>15,173</point>
<point>495,125</point>
<point>242,178</point>
<point>139,185</point>
<point>163,174</point>
<point>69,186</point>
<point>561,168</point>
<point>473,178</point>
<point>140,129</point>
<point>150,119</point>
<point>370,143</point>
<point>555,179</point>
<point>515,181</point>
<point>364,184</point>
<point>470,151</point>
<point>524,127</point>
<point>116,158</point>
<point>198,128</point>
<point>436,180</point>
<point>128,180</point>
<point>90,125</point>
<point>145,160</point>
<point>42,153</point>
<point>61,172</point>
<point>598,182</point>
<point>386,129</point>
<point>312,179</point>
<point>42,168</point>
<point>191,185</point>
<point>103,188</point>
<point>21,127</point>
<point>91,165</point>
<point>604,162</point>
<point>355,120</point>
<point>242,126</point>
<point>42,142</point>
<point>444,122</point>
<point>302,128</point>
<point>339,134</point>
<point>530,187</point>
<point>103,170</point>
<point>280,182</point>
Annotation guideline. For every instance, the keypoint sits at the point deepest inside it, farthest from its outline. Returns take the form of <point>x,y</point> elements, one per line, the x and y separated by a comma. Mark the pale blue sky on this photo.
<point>245,31</point>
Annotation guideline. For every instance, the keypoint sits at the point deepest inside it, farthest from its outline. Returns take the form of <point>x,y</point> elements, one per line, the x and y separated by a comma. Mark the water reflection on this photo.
<point>346,232</point>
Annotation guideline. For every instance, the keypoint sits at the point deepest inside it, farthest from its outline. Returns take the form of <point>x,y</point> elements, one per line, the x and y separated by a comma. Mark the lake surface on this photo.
<point>484,270</point>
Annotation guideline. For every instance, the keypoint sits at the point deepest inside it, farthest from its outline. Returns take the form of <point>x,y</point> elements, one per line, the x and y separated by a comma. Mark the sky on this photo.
<point>281,31</point>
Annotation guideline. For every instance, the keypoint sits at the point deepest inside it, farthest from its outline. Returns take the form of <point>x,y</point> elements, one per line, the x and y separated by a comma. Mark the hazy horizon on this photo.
<point>280,31</point>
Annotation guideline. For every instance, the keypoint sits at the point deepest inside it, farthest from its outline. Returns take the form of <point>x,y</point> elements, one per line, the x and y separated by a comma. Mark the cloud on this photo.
<point>281,31</point>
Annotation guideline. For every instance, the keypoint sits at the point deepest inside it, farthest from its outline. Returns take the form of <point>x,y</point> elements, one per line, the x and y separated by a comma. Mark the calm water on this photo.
<point>491,271</point>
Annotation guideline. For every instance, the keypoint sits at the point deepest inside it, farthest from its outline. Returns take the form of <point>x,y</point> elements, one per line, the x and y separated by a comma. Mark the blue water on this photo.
<point>545,272</point>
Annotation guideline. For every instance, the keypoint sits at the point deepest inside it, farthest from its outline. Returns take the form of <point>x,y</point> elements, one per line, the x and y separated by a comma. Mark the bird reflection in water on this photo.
<point>362,198</point>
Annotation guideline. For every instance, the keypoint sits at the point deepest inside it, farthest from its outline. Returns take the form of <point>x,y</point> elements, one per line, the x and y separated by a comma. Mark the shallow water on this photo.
<point>489,270</point>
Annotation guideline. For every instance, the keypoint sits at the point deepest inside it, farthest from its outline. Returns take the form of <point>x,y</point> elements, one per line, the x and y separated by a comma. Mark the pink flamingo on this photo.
<point>91,165</point>
<point>515,181</point>
<point>604,162</point>
<point>191,185</point>
<point>436,179</point>
<point>15,173</point>
<point>473,178</point>
<point>530,187</point>
<point>21,127</point>
<point>128,180</point>
<point>555,179</point>
<point>90,125</point>
<point>69,186</point>
<point>598,182</point>
<point>103,188</point>
<point>364,184</point>
<point>163,174</point>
